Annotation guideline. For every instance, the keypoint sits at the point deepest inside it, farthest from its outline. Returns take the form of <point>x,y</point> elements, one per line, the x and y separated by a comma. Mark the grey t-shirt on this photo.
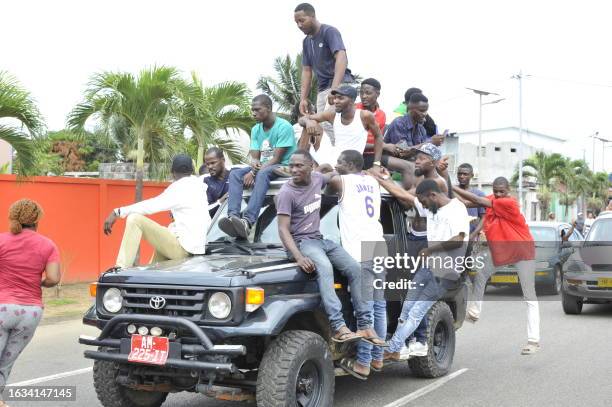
<point>302,204</point>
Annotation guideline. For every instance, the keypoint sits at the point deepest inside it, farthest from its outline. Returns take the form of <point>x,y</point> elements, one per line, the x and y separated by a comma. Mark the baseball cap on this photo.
<point>431,150</point>
<point>182,164</point>
<point>346,90</point>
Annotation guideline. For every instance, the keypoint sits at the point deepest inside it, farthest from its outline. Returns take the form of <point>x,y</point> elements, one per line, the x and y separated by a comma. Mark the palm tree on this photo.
<point>598,191</point>
<point>574,178</point>
<point>545,170</point>
<point>141,106</point>
<point>207,111</point>
<point>285,88</point>
<point>17,103</point>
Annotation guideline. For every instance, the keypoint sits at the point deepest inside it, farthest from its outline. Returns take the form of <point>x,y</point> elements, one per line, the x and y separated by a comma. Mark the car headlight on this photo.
<point>220,305</point>
<point>112,300</point>
<point>542,265</point>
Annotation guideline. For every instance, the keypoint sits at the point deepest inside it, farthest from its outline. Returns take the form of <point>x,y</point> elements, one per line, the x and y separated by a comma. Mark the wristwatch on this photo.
<point>376,163</point>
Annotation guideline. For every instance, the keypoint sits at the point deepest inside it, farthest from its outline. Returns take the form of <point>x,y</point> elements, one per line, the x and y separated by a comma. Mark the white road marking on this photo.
<point>52,377</point>
<point>424,390</point>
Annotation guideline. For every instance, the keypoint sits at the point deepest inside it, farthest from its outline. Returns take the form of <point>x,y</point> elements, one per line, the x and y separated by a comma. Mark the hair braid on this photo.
<point>23,212</point>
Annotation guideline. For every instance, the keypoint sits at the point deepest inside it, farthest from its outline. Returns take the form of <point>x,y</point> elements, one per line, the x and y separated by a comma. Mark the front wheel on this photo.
<point>296,370</point>
<point>441,343</point>
<point>572,305</point>
<point>112,394</point>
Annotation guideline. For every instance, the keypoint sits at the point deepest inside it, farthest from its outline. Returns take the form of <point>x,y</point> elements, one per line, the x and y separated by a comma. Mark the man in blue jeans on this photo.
<point>298,205</point>
<point>448,230</point>
<point>272,143</point>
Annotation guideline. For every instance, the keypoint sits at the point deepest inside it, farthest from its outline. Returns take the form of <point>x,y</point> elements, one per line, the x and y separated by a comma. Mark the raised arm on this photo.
<point>311,121</point>
<point>473,200</point>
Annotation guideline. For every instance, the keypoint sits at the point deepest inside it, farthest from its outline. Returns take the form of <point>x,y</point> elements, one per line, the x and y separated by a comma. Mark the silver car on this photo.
<point>587,274</point>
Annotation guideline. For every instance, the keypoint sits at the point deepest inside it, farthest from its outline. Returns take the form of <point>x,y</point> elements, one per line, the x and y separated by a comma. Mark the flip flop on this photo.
<point>376,369</point>
<point>376,341</point>
<point>348,366</point>
<point>346,337</point>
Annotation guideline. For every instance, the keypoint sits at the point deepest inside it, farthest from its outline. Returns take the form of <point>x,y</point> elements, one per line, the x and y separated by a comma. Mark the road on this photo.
<point>572,369</point>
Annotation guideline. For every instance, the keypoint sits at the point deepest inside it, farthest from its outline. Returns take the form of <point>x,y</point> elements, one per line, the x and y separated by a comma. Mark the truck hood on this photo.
<point>212,270</point>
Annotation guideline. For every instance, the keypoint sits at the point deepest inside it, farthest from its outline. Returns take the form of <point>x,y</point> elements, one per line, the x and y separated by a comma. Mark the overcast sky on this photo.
<point>53,47</point>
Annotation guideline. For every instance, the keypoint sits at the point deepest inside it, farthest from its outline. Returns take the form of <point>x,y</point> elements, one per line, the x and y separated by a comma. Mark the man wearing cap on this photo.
<point>351,125</point>
<point>324,53</point>
<point>186,199</point>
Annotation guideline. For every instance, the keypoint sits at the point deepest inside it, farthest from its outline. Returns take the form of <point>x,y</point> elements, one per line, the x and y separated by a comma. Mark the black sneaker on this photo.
<point>226,225</point>
<point>241,226</point>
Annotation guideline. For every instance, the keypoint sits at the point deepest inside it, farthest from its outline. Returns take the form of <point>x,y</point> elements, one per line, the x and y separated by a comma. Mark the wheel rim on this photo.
<point>440,344</point>
<point>308,385</point>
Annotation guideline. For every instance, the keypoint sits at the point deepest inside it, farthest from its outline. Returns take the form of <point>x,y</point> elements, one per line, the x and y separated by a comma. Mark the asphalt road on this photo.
<point>572,369</point>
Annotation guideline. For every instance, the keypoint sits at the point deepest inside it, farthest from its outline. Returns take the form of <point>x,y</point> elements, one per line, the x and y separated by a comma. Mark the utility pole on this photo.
<point>519,76</point>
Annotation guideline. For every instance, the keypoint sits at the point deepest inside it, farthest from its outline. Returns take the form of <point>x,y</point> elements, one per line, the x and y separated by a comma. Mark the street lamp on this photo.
<point>480,94</point>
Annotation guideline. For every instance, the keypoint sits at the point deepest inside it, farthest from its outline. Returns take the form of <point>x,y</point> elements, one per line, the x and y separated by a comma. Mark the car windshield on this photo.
<point>601,231</point>
<point>543,234</point>
<point>266,228</point>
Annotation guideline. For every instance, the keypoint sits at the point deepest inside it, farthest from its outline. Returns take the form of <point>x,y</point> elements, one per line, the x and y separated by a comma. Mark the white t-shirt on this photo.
<point>359,214</point>
<point>450,220</point>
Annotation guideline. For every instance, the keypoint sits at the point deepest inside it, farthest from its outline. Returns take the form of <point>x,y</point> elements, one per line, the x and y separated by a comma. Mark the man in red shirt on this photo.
<point>369,92</point>
<point>510,243</point>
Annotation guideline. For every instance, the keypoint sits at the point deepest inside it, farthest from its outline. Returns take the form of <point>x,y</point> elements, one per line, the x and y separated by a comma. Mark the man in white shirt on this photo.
<point>186,199</point>
<point>448,230</point>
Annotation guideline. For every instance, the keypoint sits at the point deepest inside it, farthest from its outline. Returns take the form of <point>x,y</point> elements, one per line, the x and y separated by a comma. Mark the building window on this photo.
<point>513,150</point>
<point>497,148</point>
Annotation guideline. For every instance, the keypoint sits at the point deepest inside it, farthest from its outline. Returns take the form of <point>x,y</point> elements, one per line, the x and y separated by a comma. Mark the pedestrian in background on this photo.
<point>28,260</point>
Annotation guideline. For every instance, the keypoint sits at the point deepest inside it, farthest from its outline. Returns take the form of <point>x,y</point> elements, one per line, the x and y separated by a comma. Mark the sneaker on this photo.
<point>471,318</point>
<point>226,225</point>
<point>241,226</point>
<point>404,353</point>
<point>418,349</point>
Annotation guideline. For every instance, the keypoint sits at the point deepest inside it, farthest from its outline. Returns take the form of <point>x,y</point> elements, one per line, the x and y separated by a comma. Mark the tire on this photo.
<point>112,394</point>
<point>441,343</point>
<point>296,370</point>
<point>572,305</point>
<point>554,288</point>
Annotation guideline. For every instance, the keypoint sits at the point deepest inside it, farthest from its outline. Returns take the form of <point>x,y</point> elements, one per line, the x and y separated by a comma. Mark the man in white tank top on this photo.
<point>351,125</point>
<point>359,217</point>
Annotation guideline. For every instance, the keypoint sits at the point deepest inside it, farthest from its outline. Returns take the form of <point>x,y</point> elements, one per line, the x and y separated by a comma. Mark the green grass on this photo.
<point>61,301</point>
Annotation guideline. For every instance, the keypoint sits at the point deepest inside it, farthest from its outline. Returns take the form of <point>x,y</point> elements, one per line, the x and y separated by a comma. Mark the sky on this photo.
<point>442,47</point>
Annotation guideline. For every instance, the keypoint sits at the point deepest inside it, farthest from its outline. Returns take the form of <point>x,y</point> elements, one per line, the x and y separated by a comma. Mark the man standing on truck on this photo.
<point>362,237</point>
<point>186,199</point>
<point>272,143</point>
<point>510,243</point>
<point>298,206</point>
<point>447,233</point>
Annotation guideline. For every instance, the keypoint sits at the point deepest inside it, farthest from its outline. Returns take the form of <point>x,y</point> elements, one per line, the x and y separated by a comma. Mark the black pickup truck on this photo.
<point>242,322</point>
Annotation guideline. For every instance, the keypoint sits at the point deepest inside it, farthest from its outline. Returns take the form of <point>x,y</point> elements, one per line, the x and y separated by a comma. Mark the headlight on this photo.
<point>542,265</point>
<point>112,300</point>
<point>220,305</point>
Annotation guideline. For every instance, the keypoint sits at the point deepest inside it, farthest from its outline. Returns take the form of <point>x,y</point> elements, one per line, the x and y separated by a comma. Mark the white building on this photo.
<point>5,153</point>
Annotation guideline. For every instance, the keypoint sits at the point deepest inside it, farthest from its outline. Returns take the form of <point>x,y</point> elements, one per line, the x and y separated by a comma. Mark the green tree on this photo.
<point>16,103</point>
<point>142,106</point>
<point>546,170</point>
<point>207,111</point>
<point>598,187</point>
<point>574,177</point>
<point>285,87</point>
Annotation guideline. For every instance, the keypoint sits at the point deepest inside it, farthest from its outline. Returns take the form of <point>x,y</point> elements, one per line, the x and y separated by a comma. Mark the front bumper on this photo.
<point>117,350</point>
<point>508,277</point>
<point>587,285</point>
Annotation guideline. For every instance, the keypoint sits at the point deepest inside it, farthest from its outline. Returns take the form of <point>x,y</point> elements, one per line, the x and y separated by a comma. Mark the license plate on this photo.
<point>604,282</point>
<point>504,279</point>
<point>148,349</point>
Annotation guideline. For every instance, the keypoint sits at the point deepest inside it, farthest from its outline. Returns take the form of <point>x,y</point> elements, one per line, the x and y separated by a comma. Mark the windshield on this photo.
<point>266,228</point>
<point>601,231</point>
<point>543,234</point>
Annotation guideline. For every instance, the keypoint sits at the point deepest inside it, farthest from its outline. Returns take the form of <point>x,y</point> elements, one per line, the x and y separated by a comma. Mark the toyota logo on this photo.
<point>157,302</point>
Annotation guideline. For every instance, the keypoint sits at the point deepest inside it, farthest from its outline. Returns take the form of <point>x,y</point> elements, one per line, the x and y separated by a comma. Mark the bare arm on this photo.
<point>340,68</point>
<point>405,197</point>
<point>472,198</point>
<point>569,232</point>
<point>369,123</point>
<point>478,228</point>
<point>52,275</point>
<point>305,263</point>
<point>305,90</point>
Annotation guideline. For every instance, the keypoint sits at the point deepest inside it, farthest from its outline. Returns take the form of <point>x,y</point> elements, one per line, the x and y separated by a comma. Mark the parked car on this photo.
<point>242,322</point>
<point>550,257</point>
<point>587,275</point>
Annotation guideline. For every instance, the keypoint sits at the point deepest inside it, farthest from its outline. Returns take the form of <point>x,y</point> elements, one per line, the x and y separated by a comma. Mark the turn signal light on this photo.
<point>93,289</point>
<point>255,297</point>
<point>338,286</point>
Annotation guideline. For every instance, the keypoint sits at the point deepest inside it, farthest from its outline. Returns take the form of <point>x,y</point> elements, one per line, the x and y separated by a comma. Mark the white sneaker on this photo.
<point>404,353</point>
<point>418,349</point>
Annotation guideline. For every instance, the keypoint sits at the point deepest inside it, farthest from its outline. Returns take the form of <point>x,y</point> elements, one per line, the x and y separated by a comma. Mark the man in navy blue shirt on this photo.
<point>217,179</point>
<point>323,52</point>
<point>465,173</point>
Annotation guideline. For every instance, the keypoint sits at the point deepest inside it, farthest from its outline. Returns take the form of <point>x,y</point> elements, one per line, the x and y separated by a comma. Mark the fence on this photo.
<point>75,210</point>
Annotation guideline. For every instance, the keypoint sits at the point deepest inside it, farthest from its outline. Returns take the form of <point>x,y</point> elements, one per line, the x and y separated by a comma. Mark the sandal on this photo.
<point>378,367</point>
<point>344,335</point>
<point>348,365</point>
<point>370,337</point>
<point>531,348</point>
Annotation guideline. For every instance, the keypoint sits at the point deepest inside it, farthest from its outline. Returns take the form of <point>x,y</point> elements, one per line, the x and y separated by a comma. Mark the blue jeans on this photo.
<point>327,255</point>
<point>236,188</point>
<point>418,302</point>
<point>418,243</point>
<point>377,307</point>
